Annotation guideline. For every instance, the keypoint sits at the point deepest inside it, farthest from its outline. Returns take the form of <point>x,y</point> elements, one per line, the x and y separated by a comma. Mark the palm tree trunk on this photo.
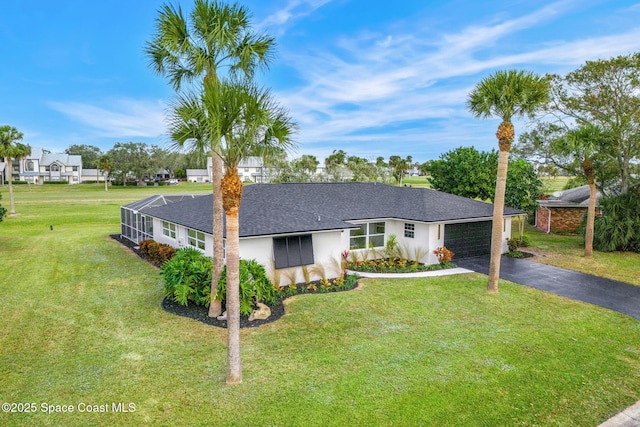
<point>12,208</point>
<point>232,195</point>
<point>498,220</point>
<point>106,182</point>
<point>215,307</point>
<point>591,209</point>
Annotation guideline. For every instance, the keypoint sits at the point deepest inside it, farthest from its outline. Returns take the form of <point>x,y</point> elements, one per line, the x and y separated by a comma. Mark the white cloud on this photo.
<point>363,87</point>
<point>119,119</point>
<point>294,10</point>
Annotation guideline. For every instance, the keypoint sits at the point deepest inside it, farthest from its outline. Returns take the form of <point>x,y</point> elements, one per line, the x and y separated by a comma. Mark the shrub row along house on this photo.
<point>288,226</point>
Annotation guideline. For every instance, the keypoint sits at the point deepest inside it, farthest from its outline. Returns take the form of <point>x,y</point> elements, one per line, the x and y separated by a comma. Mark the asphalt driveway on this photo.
<point>611,294</point>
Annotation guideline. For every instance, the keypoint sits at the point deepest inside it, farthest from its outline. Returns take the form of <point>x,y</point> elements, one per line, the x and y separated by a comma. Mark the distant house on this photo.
<point>249,169</point>
<point>198,175</point>
<point>288,226</point>
<point>563,211</point>
<point>93,175</point>
<point>43,166</point>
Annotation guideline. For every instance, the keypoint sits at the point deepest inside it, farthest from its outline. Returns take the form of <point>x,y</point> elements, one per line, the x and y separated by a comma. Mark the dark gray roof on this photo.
<point>303,207</point>
<point>574,197</point>
<point>367,200</point>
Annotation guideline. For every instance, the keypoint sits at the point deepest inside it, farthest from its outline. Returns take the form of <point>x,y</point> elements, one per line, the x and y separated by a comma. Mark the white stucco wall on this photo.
<point>327,247</point>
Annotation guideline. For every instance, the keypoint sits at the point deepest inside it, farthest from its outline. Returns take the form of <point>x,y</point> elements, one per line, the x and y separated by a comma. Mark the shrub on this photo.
<point>444,255</point>
<point>187,277</point>
<point>513,244</point>
<point>618,228</point>
<point>254,286</point>
<point>3,211</point>
<point>157,253</point>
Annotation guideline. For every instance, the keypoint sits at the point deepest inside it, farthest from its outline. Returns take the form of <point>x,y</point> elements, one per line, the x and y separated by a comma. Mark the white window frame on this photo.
<point>169,229</point>
<point>367,231</point>
<point>195,238</point>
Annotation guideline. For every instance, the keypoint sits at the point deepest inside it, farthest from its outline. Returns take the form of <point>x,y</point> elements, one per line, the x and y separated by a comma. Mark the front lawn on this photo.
<point>82,325</point>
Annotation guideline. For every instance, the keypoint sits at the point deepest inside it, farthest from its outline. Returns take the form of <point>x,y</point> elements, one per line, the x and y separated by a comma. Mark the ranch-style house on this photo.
<point>288,226</point>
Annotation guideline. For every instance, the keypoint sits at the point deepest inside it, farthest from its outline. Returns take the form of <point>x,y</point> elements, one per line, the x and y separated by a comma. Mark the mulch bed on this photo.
<point>200,313</point>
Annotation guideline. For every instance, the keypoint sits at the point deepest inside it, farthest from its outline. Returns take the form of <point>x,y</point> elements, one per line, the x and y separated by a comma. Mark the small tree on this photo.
<point>104,164</point>
<point>9,137</point>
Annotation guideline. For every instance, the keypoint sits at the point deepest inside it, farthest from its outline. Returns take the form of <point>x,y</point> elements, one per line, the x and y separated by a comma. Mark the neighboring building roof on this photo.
<point>197,172</point>
<point>62,158</point>
<point>574,197</point>
<point>304,207</point>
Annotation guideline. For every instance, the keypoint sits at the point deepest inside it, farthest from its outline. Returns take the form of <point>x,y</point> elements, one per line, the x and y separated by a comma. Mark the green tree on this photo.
<point>9,137</point>
<point>334,165</point>
<point>217,37</point>
<point>104,164</point>
<point>130,160</point>
<point>399,167</point>
<point>523,187</point>
<point>308,164</point>
<point>89,153</point>
<point>505,94</point>
<point>605,93</point>
<point>466,172</point>
<point>361,169</point>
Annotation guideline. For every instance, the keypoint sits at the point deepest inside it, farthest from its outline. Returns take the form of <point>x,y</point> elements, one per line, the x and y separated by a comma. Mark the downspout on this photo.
<point>548,219</point>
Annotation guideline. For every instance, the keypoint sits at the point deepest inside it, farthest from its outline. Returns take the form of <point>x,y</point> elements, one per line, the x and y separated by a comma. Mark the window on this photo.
<point>367,235</point>
<point>30,166</point>
<point>55,168</point>
<point>47,169</point>
<point>246,169</point>
<point>169,229</point>
<point>292,251</point>
<point>196,239</point>
<point>409,230</point>
<point>75,168</point>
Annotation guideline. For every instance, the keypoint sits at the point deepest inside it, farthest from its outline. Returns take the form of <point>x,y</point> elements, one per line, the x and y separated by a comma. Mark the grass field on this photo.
<point>81,325</point>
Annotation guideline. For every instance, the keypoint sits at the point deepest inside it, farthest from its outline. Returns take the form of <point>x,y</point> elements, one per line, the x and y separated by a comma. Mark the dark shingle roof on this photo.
<point>302,207</point>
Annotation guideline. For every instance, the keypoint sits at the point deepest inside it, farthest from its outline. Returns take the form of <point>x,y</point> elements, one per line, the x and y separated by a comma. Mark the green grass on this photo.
<point>551,185</point>
<point>81,324</point>
<point>416,181</point>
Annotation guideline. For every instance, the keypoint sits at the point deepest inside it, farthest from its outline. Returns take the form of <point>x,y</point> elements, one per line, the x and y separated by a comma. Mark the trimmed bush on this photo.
<point>157,253</point>
<point>187,277</point>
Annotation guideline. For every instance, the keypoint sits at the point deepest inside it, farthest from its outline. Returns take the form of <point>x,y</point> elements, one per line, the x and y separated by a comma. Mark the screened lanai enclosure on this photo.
<point>136,225</point>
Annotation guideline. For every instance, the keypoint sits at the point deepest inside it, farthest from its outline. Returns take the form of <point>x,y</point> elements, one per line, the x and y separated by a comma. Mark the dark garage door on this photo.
<point>468,239</point>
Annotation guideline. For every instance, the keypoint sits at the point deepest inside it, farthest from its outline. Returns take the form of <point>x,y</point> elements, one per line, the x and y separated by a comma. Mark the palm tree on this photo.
<point>581,142</point>
<point>21,152</point>
<point>505,94</point>
<point>260,126</point>
<point>8,140</point>
<point>105,164</point>
<point>217,36</point>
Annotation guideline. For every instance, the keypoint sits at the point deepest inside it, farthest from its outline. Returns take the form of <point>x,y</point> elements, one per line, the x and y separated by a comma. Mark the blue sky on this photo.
<point>370,77</point>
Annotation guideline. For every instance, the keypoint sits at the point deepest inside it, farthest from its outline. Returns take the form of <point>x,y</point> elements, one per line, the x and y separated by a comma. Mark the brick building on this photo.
<point>563,211</point>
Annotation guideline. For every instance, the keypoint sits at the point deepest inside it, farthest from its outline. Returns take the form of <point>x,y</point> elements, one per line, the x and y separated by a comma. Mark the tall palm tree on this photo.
<point>505,94</point>
<point>217,37</point>
<point>105,164</point>
<point>581,142</point>
<point>259,125</point>
<point>9,137</point>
